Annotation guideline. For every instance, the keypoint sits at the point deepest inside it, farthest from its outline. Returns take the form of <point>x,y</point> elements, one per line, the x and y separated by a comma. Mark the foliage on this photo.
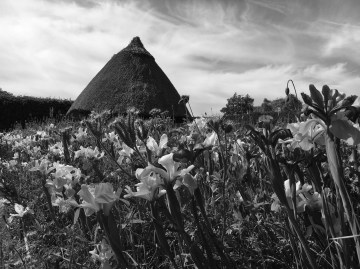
<point>238,105</point>
<point>129,193</point>
<point>267,106</point>
<point>22,109</point>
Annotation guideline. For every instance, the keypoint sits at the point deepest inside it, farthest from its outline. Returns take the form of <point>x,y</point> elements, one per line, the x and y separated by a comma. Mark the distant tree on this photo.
<point>278,104</point>
<point>287,108</point>
<point>266,106</point>
<point>238,105</point>
<point>292,104</point>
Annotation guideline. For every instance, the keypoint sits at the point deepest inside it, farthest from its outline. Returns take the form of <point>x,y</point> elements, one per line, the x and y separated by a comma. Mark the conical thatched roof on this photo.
<point>131,78</point>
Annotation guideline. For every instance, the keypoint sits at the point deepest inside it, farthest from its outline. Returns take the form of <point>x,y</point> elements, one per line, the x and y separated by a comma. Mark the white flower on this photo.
<point>303,198</point>
<point>149,188</point>
<point>171,171</point>
<point>100,197</point>
<point>21,211</point>
<point>81,134</point>
<point>239,196</point>
<point>111,137</point>
<point>307,133</point>
<point>43,166</point>
<point>65,174</point>
<point>57,149</point>
<point>103,253</point>
<point>155,147</point>
<point>64,205</point>
<point>198,125</point>
<point>125,152</point>
<point>42,134</point>
<point>211,140</point>
<point>88,153</point>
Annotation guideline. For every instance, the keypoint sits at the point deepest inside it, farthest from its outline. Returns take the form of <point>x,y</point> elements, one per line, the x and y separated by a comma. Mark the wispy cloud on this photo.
<point>208,49</point>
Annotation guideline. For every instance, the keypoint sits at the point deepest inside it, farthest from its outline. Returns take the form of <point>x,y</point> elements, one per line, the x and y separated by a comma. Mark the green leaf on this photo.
<point>307,99</point>
<point>316,96</point>
<point>345,130</point>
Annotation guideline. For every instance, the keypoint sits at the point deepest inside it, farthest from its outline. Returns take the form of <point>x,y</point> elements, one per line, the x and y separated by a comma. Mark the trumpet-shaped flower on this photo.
<point>154,146</point>
<point>42,134</point>
<point>102,253</point>
<point>210,140</point>
<point>112,137</point>
<point>89,153</point>
<point>64,204</point>
<point>57,149</point>
<point>306,134</point>
<point>313,131</point>
<point>171,171</point>
<point>81,134</point>
<point>149,188</point>
<point>125,153</point>
<point>21,211</point>
<point>65,174</point>
<point>43,166</point>
<point>303,198</point>
<point>100,197</point>
<point>198,125</point>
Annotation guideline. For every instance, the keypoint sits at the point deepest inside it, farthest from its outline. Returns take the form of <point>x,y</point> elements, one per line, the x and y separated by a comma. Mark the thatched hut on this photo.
<point>131,78</point>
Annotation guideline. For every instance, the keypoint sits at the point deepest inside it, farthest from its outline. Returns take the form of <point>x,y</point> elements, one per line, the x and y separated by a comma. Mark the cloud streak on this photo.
<point>208,49</point>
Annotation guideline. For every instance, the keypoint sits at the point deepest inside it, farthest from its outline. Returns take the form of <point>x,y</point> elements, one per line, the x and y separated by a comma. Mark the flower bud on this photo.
<point>287,91</point>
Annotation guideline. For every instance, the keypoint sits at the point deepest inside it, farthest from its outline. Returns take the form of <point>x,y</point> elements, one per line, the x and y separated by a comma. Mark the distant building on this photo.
<point>131,78</point>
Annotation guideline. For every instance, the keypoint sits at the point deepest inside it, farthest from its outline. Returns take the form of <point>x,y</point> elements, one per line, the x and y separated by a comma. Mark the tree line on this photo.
<point>240,107</point>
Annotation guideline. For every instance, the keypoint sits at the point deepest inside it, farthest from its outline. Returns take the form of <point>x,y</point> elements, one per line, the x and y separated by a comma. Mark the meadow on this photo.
<point>127,192</point>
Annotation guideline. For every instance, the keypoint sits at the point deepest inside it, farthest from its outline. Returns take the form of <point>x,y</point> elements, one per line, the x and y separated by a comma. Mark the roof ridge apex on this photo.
<point>137,47</point>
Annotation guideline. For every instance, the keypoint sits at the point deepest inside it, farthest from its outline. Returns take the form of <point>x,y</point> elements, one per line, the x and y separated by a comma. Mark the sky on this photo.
<point>209,49</point>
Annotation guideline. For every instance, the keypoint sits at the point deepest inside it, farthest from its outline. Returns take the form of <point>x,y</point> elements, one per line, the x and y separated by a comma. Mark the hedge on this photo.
<point>20,109</point>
